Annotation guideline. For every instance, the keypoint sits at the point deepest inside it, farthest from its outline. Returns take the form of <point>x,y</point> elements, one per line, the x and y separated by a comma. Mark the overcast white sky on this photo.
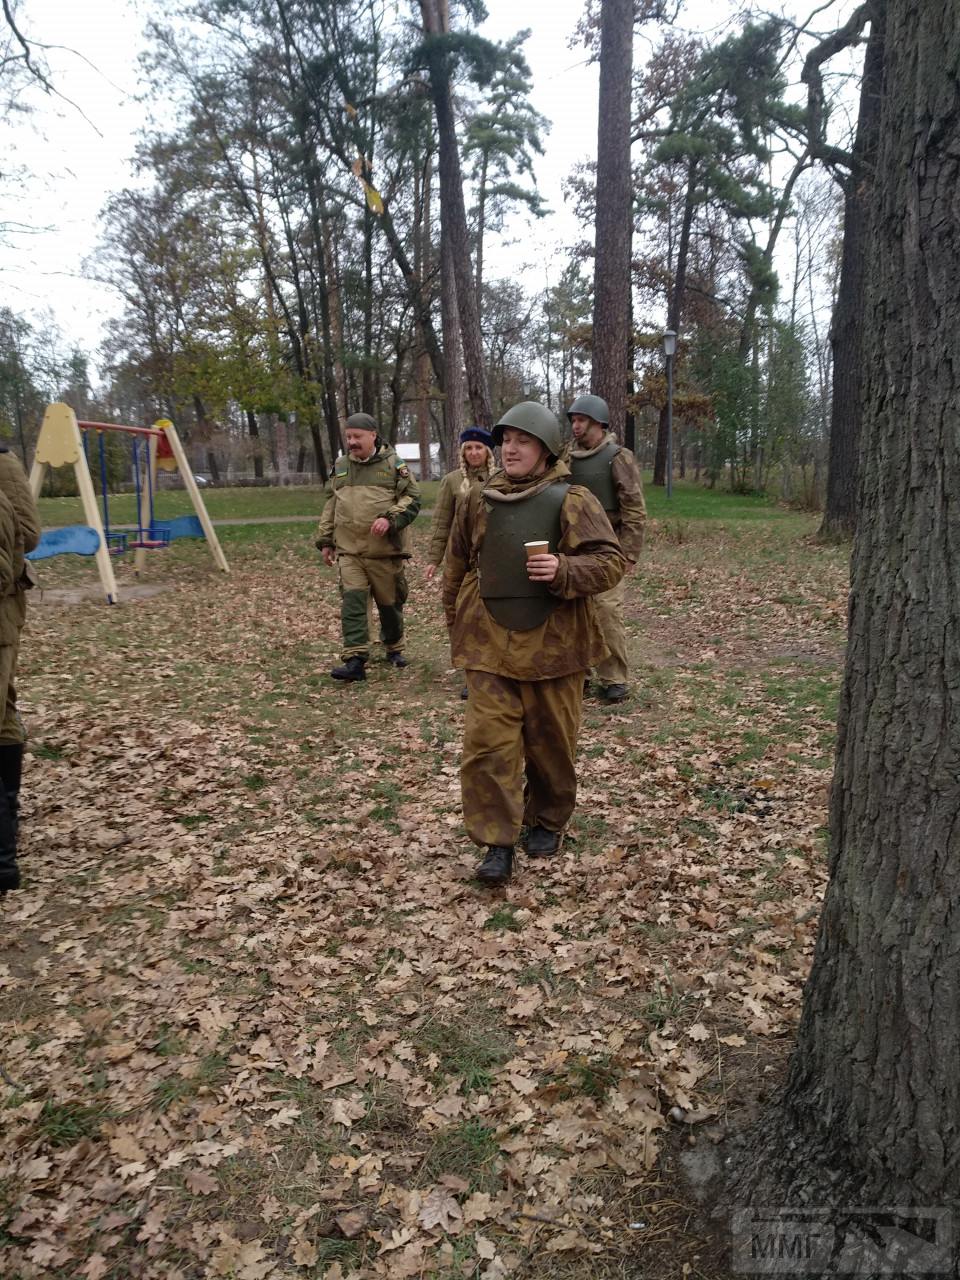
<point>79,154</point>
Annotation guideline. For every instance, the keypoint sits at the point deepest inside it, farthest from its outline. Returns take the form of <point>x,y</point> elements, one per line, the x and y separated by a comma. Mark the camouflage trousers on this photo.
<point>519,755</point>
<point>382,578</point>
<point>609,606</point>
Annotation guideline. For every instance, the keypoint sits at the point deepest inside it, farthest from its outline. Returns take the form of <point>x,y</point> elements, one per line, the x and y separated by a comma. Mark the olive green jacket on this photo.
<point>361,492</point>
<point>630,520</point>
<point>570,640</point>
<point>446,505</point>
<point>25,535</point>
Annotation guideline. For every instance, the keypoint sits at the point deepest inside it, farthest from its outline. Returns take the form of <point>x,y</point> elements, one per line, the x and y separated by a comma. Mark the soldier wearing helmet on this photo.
<point>364,530</point>
<point>611,474</point>
<point>525,630</point>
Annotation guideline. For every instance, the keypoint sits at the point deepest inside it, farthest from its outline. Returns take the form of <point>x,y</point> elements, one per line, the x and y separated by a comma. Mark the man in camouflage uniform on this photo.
<point>525,630</point>
<point>364,529</point>
<point>611,474</point>
<point>19,533</point>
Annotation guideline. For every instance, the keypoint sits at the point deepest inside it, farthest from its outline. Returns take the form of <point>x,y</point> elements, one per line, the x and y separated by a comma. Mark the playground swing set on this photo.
<point>65,441</point>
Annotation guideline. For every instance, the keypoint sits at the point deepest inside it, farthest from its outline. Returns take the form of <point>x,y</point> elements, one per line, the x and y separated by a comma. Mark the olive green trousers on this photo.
<point>382,578</point>
<point>519,755</point>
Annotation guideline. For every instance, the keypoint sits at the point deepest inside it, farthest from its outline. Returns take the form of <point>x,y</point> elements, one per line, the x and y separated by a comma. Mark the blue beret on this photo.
<point>480,434</point>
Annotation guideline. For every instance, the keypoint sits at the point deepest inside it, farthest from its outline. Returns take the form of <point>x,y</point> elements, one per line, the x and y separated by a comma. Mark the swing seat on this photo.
<point>155,540</point>
<point>116,543</point>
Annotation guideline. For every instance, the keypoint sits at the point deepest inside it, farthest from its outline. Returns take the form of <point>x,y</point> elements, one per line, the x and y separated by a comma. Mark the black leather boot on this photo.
<point>497,865</point>
<point>9,871</point>
<point>11,769</point>
<point>352,669</point>
<point>614,693</point>
<point>542,843</point>
<point>397,659</point>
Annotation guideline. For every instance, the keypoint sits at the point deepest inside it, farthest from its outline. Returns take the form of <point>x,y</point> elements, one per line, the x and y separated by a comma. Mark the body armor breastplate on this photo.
<point>594,473</point>
<point>508,594</point>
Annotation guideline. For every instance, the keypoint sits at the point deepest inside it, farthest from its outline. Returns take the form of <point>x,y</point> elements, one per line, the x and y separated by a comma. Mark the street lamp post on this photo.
<point>669,351</point>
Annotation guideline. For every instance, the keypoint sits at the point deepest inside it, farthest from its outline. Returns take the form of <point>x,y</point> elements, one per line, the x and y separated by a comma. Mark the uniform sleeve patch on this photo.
<point>403,470</point>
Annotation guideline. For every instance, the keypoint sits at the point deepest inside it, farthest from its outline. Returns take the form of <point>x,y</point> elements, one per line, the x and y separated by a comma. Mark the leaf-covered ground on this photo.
<point>260,1022</point>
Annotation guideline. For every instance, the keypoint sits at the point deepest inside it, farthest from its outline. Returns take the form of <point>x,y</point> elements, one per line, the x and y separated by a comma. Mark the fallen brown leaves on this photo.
<point>258,1020</point>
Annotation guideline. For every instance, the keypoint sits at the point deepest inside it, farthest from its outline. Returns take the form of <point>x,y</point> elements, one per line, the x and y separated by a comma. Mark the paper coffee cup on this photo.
<point>537,548</point>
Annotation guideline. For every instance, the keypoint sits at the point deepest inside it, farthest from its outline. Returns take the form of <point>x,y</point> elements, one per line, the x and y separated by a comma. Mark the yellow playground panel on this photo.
<point>63,441</point>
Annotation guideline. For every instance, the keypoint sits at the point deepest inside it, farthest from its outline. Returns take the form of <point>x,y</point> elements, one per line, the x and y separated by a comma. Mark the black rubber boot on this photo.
<point>11,770</point>
<point>352,669</point>
<point>9,871</point>
<point>497,865</point>
<point>542,843</point>
<point>464,694</point>
<point>396,659</point>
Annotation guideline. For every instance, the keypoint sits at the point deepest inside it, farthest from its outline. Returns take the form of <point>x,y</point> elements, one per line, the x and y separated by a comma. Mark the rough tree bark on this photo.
<point>614,221</point>
<point>453,214</point>
<point>840,511</point>
<point>871,1110</point>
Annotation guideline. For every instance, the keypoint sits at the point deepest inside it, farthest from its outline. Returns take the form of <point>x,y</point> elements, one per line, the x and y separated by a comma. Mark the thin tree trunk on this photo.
<point>614,221</point>
<point>675,311</point>
<point>253,431</point>
<point>453,216</point>
<point>452,362</point>
<point>870,1112</point>
<point>846,336</point>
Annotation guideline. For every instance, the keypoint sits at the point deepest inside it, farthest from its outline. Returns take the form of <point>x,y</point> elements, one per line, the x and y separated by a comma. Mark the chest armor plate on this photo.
<point>508,594</point>
<point>594,473</point>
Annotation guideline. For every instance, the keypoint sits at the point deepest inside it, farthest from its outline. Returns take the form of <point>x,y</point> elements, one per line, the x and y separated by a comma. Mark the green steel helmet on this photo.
<point>591,407</point>
<point>536,420</point>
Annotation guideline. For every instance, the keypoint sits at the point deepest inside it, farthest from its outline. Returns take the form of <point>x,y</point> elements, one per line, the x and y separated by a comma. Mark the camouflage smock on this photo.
<point>630,520</point>
<point>362,491</point>
<point>590,562</point>
<point>26,534</point>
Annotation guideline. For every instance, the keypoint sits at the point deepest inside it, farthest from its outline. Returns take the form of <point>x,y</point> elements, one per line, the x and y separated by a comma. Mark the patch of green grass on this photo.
<point>191,820</point>
<point>504,918</point>
<point>467,1151</point>
<point>466,1052</point>
<point>179,1088</point>
<point>62,1124</point>
<point>254,781</point>
<point>664,1004</point>
<point>43,751</point>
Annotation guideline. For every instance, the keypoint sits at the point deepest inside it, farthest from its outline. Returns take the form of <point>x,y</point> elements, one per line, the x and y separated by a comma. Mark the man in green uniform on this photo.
<point>524,628</point>
<point>364,530</point>
<point>611,474</point>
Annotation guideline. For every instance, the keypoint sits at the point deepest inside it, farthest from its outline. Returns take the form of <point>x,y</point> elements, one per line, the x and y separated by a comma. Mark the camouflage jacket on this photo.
<point>570,640</point>
<point>360,492</point>
<point>629,522</point>
<point>445,506</point>
<point>15,489</point>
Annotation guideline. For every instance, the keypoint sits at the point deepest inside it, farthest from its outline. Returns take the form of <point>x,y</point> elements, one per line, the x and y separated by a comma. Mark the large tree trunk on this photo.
<point>840,511</point>
<point>453,214</point>
<point>871,1111</point>
<point>614,221</point>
